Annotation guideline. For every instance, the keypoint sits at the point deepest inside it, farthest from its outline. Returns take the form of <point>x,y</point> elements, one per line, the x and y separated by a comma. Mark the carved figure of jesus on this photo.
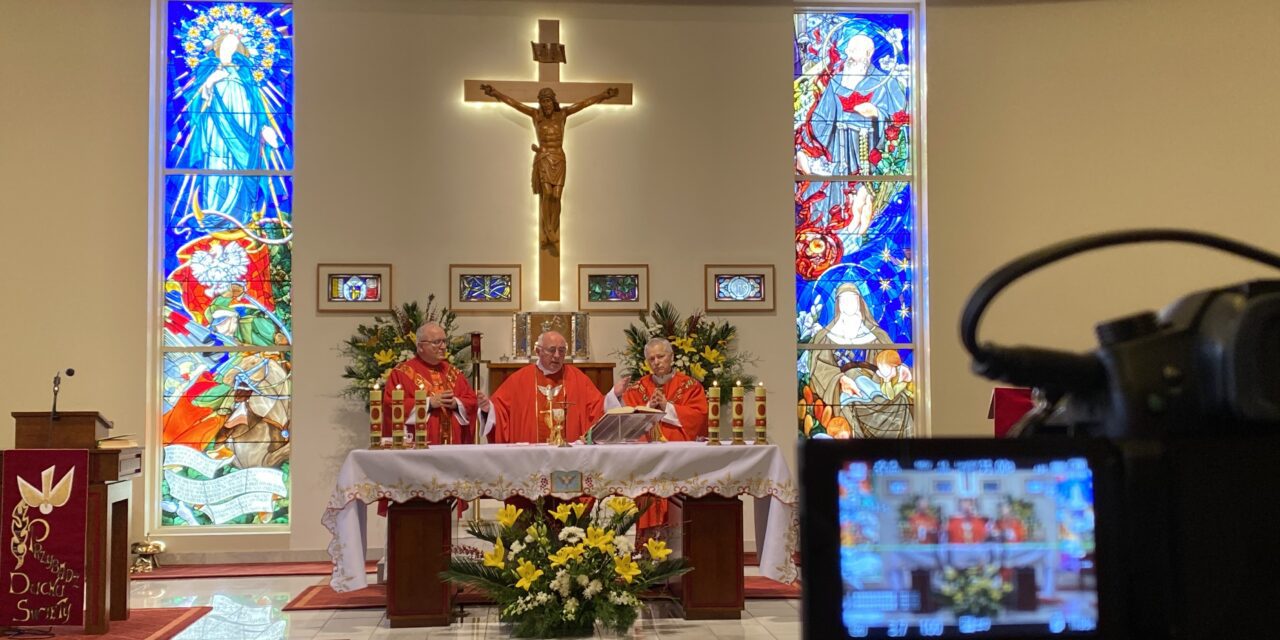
<point>548,155</point>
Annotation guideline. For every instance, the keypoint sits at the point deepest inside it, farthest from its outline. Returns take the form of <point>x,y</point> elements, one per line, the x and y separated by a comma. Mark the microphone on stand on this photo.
<point>57,384</point>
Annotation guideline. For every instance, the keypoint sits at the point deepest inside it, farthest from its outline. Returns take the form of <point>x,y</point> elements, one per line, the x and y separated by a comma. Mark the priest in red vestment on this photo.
<point>520,409</point>
<point>679,396</point>
<point>449,395</point>
<point>966,527</point>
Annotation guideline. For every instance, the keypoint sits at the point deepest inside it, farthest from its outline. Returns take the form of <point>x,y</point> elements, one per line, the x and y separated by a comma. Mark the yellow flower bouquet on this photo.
<point>376,349</point>
<point>558,573</point>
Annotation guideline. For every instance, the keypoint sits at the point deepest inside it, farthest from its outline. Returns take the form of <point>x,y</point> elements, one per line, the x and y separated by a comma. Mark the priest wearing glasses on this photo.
<point>518,410</point>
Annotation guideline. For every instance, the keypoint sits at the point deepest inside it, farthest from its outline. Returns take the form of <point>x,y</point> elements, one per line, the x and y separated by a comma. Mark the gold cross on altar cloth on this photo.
<point>549,54</point>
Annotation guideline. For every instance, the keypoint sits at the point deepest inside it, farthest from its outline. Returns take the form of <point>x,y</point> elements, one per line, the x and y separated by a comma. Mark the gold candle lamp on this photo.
<point>738,419</point>
<point>713,414</point>
<point>375,417</point>
<point>762,431</point>
<point>397,418</point>
<point>420,419</point>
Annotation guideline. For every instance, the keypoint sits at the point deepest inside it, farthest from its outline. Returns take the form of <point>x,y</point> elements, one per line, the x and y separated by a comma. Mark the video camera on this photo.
<point>1138,500</point>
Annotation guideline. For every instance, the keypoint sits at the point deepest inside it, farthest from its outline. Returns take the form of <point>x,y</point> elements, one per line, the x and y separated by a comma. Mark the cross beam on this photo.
<point>549,54</point>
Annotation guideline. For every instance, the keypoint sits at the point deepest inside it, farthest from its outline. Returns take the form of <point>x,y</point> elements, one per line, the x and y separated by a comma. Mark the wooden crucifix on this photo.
<point>549,124</point>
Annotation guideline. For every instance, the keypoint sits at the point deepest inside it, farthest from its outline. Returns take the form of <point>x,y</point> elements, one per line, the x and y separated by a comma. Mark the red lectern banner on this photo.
<point>45,500</point>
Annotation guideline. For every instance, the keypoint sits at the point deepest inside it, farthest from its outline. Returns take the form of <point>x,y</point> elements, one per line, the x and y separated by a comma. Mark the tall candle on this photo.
<point>375,417</point>
<point>713,414</point>
<point>762,436</point>
<point>738,420</point>
<point>420,417</point>
<point>397,417</point>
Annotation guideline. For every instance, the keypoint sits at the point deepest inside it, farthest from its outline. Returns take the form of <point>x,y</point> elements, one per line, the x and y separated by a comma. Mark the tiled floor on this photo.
<point>245,608</point>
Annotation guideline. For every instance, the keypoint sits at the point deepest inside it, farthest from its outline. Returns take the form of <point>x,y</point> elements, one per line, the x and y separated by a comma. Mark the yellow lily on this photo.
<point>626,567</point>
<point>712,355</point>
<point>562,513</point>
<point>565,554</point>
<point>579,508</point>
<point>621,505</point>
<point>534,532</point>
<point>386,356</point>
<point>657,549</point>
<point>601,539</point>
<point>684,344</point>
<point>697,372</point>
<point>497,557</point>
<point>528,574</point>
<point>508,514</point>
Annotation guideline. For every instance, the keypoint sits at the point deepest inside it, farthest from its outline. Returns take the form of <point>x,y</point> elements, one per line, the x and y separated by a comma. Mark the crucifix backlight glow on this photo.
<point>548,117</point>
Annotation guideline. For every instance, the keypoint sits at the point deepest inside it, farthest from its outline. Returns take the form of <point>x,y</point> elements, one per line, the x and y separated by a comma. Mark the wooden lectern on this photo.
<point>111,472</point>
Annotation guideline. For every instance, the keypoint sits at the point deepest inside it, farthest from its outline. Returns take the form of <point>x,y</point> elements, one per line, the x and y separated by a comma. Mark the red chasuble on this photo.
<point>687,397</point>
<point>434,379</point>
<point>690,403</point>
<point>520,405</point>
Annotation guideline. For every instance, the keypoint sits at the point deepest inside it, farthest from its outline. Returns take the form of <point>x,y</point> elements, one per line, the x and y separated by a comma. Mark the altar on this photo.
<point>429,477</point>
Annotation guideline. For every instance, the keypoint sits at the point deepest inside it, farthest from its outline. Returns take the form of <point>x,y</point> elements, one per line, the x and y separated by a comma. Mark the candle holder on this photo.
<point>713,415</point>
<point>761,428</point>
<point>375,418</point>
<point>397,418</point>
<point>738,420</point>
<point>420,419</point>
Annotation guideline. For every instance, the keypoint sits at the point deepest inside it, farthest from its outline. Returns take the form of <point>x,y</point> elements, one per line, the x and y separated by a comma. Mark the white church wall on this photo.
<point>1046,120</point>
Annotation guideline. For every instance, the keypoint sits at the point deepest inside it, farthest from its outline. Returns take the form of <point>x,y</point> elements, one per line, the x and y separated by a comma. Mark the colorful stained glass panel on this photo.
<point>864,257</point>
<point>613,287</point>
<point>857,393</point>
<point>226,433</point>
<point>257,207</point>
<point>486,287</point>
<point>354,287</point>
<point>852,93</point>
<point>230,91</point>
<point>739,287</point>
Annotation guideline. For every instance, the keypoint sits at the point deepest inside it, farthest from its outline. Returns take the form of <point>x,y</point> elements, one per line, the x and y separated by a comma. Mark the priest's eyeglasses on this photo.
<point>435,343</point>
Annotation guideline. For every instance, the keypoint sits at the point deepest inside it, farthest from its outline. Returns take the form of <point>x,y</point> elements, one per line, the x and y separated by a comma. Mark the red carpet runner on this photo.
<point>375,596</point>
<point>143,624</point>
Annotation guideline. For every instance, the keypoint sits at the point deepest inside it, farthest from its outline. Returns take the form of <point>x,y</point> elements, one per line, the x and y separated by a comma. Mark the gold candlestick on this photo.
<point>713,414</point>
<point>375,417</point>
<point>762,431</point>
<point>420,419</point>
<point>397,418</point>
<point>738,420</point>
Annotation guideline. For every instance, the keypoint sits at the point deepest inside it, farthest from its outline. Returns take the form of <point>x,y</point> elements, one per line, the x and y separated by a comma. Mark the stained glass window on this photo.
<point>226,264</point>
<point>354,287</point>
<point>613,288</point>
<point>739,287</point>
<point>487,287</point>
<point>856,215</point>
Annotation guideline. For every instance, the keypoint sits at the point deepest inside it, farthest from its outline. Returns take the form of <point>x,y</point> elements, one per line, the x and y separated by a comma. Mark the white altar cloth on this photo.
<point>501,470</point>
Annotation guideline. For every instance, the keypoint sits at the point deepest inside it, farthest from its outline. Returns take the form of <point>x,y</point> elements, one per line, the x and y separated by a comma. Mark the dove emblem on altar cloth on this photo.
<point>48,496</point>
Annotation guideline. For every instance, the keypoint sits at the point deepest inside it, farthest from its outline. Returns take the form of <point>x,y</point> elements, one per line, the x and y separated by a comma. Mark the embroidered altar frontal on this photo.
<point>468,472</point>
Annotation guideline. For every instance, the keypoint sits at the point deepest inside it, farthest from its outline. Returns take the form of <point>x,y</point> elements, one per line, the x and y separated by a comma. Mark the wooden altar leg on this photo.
<point>710,532</point>
<point>118,497</point>
<point>417,551</point>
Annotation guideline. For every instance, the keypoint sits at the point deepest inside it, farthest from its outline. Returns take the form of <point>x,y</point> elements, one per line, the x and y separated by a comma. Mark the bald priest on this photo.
<point>518,410</point>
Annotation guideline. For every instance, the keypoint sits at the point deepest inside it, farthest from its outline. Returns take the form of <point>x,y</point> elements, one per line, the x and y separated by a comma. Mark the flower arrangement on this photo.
<point>703,348</point>
<point>555,574</point>
<point>376,349</point>
<point>975,591</point>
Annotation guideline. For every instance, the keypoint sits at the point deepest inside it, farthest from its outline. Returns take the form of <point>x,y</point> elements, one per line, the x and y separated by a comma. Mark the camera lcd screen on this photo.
<point>962,546</point>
